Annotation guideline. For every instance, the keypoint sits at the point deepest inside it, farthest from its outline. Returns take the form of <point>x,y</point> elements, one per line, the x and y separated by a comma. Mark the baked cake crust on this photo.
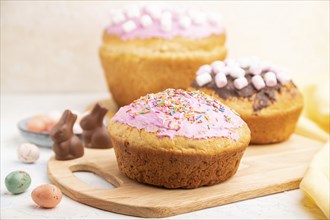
<point>178,161</point>
<point>136,67</point>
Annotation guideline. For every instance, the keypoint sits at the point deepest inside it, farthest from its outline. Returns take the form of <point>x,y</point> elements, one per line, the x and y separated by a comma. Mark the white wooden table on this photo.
<point>14,107</point>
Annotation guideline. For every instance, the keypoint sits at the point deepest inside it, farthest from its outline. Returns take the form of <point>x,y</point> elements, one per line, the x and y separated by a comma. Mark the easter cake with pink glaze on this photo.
<point>262,93</point>
<point>178,139</point>
<point>152,48</point>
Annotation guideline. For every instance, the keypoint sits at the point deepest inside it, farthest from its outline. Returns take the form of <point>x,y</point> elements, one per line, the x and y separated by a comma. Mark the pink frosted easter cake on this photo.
<point>151,48</point>
<point>178,139</point>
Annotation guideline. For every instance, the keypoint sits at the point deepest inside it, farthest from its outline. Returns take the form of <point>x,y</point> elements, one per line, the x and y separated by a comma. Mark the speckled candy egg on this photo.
<point>28,153</point>
<point>47,195</point>
<point>17,181</point>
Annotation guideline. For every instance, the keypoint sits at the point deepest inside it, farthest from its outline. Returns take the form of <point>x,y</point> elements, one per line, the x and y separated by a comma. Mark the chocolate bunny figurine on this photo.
<point>67,145</point>
<point>95,135</point>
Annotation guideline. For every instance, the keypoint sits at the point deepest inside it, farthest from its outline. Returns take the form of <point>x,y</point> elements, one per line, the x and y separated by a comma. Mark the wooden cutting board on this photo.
<point>263,170</point>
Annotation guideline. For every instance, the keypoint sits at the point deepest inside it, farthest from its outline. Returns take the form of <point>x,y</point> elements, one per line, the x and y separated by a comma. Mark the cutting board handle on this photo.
<point>61,173</point>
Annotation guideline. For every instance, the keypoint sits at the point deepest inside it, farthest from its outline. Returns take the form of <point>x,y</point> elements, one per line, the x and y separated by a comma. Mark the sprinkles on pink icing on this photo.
<point>181,113</point>
<point>163,22</point>
<point>237,69</point>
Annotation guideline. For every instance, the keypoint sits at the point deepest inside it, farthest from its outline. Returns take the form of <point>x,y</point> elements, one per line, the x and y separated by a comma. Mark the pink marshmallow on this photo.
<point>258,82</point>
<point>220,80</point>
<point>240,83</point>
<point>270,79</point>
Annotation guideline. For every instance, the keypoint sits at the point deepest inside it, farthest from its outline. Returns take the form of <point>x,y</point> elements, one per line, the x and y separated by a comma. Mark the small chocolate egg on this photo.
<point>17,181</point>
<point>28,153</point>
<point>47,195</point>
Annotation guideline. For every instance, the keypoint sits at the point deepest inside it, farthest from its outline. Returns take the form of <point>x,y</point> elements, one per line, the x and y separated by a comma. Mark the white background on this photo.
<point>50,46</point>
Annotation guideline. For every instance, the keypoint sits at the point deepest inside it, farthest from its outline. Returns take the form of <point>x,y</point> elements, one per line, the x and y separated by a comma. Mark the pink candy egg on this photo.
<point>40,123</point>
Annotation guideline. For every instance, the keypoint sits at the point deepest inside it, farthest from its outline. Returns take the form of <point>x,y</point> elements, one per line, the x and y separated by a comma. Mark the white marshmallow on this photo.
<point>232,62</point>
<point>146,21</point>
<point>166,25</point>
<point>203,79</point>
<point>185,22</point>
<point>118,17</point>
<point>258,82</point>
<point>166,15</point>
<point>132,11</point>
<point>129,26</point>
<point>270,79</point>
<point>237,72</point>
<point>255,68</point>
<point>217,66</point>
<point>166,21</point>
<point>154,11</point>
<point>240,83</point>
<point>226,70</point>
<point>198,17</point>
<point>283,77</point>
<point>244,63</point>
<point>215,18</point>
<point>204,69</point>
<point>220,80</point>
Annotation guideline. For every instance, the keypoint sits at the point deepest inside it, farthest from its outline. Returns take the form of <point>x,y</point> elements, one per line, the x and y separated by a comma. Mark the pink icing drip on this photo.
<point>194,31</point>
<point>179,113</point>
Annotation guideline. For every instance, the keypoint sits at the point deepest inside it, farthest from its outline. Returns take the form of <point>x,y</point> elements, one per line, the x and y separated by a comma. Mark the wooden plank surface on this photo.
<point>264,170</point>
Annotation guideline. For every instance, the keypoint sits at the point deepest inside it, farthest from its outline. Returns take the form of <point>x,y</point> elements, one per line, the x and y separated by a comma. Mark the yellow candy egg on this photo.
<point>47,195</point>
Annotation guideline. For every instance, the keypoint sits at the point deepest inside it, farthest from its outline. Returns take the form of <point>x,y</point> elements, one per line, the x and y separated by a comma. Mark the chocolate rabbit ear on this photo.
<point>72,119</point>
<point>103,111</point>
<point>64,117</point>
<point>96,108</point>
<point>101,114</point>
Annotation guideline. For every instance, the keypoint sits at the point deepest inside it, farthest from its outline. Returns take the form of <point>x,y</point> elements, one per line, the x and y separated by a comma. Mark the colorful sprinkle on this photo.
<point>178,112</point>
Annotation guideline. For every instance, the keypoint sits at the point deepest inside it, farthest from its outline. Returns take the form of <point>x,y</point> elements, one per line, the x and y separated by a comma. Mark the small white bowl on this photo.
<point>41,139</point>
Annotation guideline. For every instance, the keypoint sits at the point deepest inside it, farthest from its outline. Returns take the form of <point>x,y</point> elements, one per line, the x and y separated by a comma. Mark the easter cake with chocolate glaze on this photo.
<point>263,94</point>
<point>152,48</point>
<point>178,139</point>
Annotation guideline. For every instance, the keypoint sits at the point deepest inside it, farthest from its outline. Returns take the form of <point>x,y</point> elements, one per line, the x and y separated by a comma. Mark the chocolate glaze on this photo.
<point>262,99</point>
<point>67,146</point>
<point>95,134</point>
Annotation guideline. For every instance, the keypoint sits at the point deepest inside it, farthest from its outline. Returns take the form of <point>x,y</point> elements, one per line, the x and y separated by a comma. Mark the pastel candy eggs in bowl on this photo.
<point>36,128</point>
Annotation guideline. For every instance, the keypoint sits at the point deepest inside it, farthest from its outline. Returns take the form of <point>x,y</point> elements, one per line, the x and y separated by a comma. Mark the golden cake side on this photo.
<point>137,67</point>
<point>179,161</point>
